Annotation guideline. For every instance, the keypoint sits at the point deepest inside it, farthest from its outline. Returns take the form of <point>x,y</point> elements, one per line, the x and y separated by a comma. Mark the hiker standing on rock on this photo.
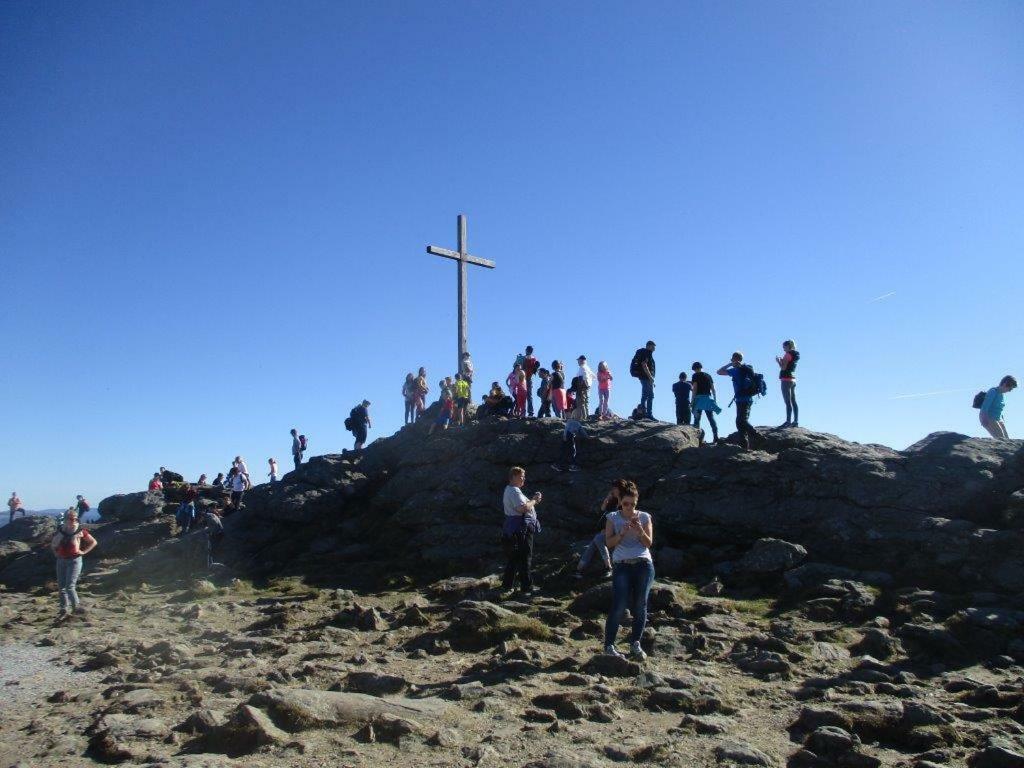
<point>296,448</point>
<point>642,367</point>
<point>544,393</point>
<point>409,397</point>
<point>557,388</point>
<point>630,533</point>
<point>360,420</point>
<point>991,415</point>
<point>530,367</point>
<point>238,483</point>
<point>517,532</point>
<point>421,392</point>
<point>466,369</point>
<point>14,504</point>
<point>604,390</point>
<point>704,400</point>
<point>272,474</point>
<point>787,378</point>
<point>682,389</point>
<point>585,377</point>
<point>69,544</point>
<point>460,391</point>
<point>744,388</point>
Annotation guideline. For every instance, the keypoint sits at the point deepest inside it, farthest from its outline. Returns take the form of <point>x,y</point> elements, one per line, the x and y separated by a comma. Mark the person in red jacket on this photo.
<point>156,484</point>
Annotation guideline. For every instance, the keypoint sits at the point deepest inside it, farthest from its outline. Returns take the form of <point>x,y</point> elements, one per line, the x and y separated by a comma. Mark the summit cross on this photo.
<point>463,257</point>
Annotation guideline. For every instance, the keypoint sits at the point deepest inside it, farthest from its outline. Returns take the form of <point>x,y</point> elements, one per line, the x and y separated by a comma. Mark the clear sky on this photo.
<point>213,215</point>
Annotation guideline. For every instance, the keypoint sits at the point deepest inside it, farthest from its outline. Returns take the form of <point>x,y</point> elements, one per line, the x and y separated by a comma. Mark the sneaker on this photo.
<point>611,650</point>
<point>573,468</point>
<point>786,425</point>
<point>62,615</point>
<point>556,468</point>
<point>607,574</point>
<point>795,424</point>
<point>79,610</point>
<point>637,652</point>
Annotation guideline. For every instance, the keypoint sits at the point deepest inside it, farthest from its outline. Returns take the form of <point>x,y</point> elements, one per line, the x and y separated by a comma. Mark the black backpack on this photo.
<point>752,384</point>
<point>636,365</point>
<point>302,443</point>
<point>979,399</point>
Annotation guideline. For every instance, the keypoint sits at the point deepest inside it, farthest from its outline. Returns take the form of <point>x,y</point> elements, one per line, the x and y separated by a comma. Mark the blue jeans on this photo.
<point>596,548</point>
<point>68,571</point>
<point>647,397</point>
<point>631,583</point>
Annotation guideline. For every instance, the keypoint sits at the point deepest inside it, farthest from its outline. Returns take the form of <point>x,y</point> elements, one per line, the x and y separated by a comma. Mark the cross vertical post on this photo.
<point>464,258</point>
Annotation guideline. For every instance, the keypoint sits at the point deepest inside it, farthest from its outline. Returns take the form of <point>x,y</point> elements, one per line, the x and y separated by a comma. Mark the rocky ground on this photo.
<point>818,603</point>
<point>225,673</point>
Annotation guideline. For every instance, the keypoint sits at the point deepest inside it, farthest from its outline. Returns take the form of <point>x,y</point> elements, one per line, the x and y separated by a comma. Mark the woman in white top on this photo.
<point>630,533</point>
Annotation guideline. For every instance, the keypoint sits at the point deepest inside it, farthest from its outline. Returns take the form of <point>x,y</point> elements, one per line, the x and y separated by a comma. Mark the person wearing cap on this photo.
<point>585,377</point>
<point>361,423</point>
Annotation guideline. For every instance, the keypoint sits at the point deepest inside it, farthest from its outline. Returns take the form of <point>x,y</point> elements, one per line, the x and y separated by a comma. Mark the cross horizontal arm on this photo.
<point>433,249</point>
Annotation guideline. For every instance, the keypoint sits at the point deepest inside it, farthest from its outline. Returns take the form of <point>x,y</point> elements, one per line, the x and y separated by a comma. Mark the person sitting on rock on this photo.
<point>70,543</point>
<point>444,414</point>
<point>630,533</point>
<point>14,505</point>
<point>202,481</point>
<point>156,484</point>
<point>598,546</point>
<point>218,481</point>
<point>991,415</point>
<point>518,531</point>
<point>573,429</point>
<point>497,402</point>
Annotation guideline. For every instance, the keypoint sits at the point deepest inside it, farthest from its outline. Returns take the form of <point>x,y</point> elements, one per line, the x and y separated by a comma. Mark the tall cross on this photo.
<point>463,257</point>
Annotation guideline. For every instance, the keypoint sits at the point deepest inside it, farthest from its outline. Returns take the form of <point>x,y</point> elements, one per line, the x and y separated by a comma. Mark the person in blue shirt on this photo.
<point>992,408</point>
<point>738,372</point>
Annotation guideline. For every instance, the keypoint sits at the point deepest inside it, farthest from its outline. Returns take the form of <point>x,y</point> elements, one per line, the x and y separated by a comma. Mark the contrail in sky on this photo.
<point>929,394</point>
<point>882,297</point>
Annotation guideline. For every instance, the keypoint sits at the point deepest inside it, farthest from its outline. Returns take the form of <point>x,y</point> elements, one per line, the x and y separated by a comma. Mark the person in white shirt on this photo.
<point>517,532</point>
<point>585,377</point>
<point>630,534</point>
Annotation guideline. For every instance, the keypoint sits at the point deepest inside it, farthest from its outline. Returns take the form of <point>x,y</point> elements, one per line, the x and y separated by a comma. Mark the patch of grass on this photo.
<point>760,608</point>
<point>289,585</point>
<point>201,588</point>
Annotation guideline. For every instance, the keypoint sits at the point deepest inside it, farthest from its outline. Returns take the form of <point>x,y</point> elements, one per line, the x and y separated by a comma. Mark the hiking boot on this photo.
<point>62,615</point>
<point>611,650</point>
<point>607,574</point>
<point>786,425</point>
<point>79,610</point>
<point>795,424</point>
<point>636,652</point>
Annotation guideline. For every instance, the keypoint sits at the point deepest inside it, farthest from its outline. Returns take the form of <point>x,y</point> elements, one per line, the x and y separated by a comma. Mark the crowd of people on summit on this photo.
<point>622,546</point>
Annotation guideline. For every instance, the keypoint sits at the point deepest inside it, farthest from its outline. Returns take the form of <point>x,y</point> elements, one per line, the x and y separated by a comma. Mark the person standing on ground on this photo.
<point>14,505</point>
<point>598,546</point>
<point>466,369</point>
<point>704,400</point>
<point>573,429</point>
<point>682,389</point>
<point>530,367</point>
<point>991,415</point>
<point>642,367</point>
<point>409,396</point>
<point>461,394</point>
<point>742,386</point>
<point>518,531</point>
<point>630,533</point>
<point>787,378</point>
<point>586,377</point>
<point>273,469</point>
<point>544,393</point>
<point>360,416</point>
<point>604,390</point>
<point>557,388</point>
<point>296,448</point>
<point>70,543</point>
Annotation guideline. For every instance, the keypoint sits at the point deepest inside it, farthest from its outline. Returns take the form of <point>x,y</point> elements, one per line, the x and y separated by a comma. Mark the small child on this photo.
<point>573,428</point>
<point>273,469</point>
<point>444,416</point>
<point>604,390</point>
<point>544,393</point>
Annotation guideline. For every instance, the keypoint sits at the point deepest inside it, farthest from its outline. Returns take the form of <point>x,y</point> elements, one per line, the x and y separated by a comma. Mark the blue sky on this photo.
<point>213,215</point>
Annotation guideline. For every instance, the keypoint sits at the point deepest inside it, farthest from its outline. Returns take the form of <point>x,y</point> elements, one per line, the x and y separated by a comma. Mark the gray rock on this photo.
<point>741,753</point>
<point>32,529</point>
<point>771,556</point>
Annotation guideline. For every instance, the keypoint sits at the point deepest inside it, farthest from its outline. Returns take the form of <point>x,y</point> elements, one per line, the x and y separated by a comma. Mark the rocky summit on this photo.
<point>817,603</point>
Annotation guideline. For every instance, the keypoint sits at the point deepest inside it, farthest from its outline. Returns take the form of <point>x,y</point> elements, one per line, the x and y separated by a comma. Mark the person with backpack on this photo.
<point>297,448</point>
<point>682,390</point>
<point>544,393</point>
<point>629,533</point>
<point>642,367</point>
<point>14,505</point>
<point>991,415</point>
<point>745,384</point>
<point>557,388</point>
<point>358,423</point>
<point>704,400</point>
<point>787,378</point>
<point>517,533</point>
<point>70,543</point>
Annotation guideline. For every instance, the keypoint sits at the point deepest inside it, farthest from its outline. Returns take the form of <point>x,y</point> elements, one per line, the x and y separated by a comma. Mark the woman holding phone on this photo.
<point>629,533</point>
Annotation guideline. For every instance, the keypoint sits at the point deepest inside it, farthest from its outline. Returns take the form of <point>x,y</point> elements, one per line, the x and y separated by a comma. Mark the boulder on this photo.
<point>299,709</point>
<point>33,529</point>
<point>145,505</point>
<point>771,556</point>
